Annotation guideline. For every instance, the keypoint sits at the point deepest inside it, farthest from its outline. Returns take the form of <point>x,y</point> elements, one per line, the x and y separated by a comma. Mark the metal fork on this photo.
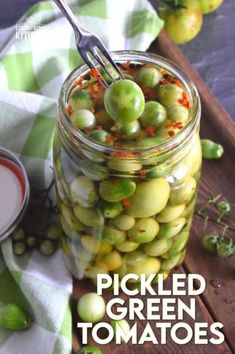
<point>89,45</point>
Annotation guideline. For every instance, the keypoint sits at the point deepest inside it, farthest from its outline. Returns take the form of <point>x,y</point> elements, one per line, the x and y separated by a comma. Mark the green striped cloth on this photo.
<point>33,65</point>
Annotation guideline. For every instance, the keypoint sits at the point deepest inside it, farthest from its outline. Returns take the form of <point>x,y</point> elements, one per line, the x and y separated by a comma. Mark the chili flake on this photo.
<point>69,110</point>
<point>150,130</point>
<point>126,203</point>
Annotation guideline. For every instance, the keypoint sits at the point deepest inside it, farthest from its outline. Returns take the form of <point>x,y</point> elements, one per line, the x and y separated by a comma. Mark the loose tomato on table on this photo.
<point>208,6</point>
<point>183,19</point>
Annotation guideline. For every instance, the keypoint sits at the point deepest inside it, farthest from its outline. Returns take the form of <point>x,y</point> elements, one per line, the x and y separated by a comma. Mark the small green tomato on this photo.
<point>124,101</point>
<point>211,150</point>
<point>148,76</point>
<point>225,248</point>
<point>210,242</point>
<point>83,118</point>
<point>120,327</point>
<point>178,113</point>
<point>129,131</point>
<point>91,307</point>
<point>89,349</point>
<point>154,114</point>
<point>99,135</point>
<point>80,100</point>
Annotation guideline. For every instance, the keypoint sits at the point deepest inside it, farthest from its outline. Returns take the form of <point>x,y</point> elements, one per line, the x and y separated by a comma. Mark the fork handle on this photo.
<point>65,9</point>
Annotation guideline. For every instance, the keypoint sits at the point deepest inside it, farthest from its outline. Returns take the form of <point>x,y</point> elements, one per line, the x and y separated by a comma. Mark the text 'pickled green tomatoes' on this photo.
<point>91,307</point>
<point>124,101</point>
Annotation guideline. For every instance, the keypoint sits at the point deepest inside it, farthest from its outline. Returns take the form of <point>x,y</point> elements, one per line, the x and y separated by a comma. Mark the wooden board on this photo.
<point>217,303</point>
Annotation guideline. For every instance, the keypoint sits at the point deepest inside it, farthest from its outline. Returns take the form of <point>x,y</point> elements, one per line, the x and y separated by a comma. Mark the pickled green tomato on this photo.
<point>124,101</point>
<point>129,131</point>
<point>99,135</point>
<point>178,112</point>
<point>83,118</point>
<point>148,76</point>
<point>169,94</point>
<point>80,100</point>
<point>154,114</point>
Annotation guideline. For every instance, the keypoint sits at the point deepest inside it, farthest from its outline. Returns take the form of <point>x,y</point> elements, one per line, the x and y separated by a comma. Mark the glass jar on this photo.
<point>146,233</point>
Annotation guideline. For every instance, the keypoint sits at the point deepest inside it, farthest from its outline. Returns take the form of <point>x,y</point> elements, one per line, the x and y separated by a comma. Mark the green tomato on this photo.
<point>99,135</point>
<point>154,114</point>
<point>129,131</point>
<point>120,326</point>
<point>225,248</point>
<point>148,76</point>
<point>208,6</point>
<point>80,100</point>
<point>124,101</point>
<point>169,94</point>
<point>182,24</point>
<point>83,118</point>
<point>89,349</point>
<point>210,242</point>
<point>91,307</point>
<point>178,113</point>
<point>211,150</point>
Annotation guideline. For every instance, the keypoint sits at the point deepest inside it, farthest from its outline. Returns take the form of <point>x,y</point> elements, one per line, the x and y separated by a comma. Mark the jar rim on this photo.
<point>147,58</point>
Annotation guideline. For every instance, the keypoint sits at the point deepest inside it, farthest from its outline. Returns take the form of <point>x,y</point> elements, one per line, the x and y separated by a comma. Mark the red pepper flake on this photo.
<point>162,71</point>
<point>94,72</point>
<point>109,139</point>
<point>150,130</point>
<point>79,81</point>
<point>69,110</point>
<point>171,133</point>
<point>184,100</point>
<point>126,203</point>
<point>126,65</point>
<point>141,174</point>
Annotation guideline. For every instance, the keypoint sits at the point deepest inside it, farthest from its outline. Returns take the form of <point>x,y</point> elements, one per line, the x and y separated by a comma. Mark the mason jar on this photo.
<point>146,233</point>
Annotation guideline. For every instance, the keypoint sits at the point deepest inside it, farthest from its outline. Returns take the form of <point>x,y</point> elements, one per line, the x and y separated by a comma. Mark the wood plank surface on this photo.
<point>218,301</point>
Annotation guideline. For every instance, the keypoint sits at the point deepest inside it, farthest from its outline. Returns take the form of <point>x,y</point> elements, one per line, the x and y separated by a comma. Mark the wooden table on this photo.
<point>218,301</point>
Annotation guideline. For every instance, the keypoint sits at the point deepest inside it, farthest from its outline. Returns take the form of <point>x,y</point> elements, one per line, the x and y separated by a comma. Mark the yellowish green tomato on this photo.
<point>124,101</point>
<point>148,76</point>
<point>91,307</point>
<point>182,24</point>
<point>154,114</point>
<point>169,94</point>
<point>178,113</point>
<point>83,118</point>
<point>89,349</point>
<point>129,131</point>
<point>80,100</point>
<point>208,6</point>
<point>99,135</point>
<point>120,326</point>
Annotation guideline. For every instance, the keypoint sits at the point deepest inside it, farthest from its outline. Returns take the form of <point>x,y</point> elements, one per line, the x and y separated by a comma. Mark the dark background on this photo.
<point>212,52</point>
